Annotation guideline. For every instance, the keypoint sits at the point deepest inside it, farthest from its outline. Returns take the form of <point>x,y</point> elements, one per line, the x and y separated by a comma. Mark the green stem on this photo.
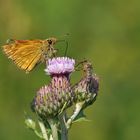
<point>54,129</point>
<point>76,112</point>
<point>43,130</point>
<point>64,131</point>
<point>51,138</point>
<point>38,134</point>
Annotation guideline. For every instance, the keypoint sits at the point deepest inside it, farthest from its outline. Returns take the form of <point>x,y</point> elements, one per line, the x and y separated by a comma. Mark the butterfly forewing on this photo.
<point>26,53</point>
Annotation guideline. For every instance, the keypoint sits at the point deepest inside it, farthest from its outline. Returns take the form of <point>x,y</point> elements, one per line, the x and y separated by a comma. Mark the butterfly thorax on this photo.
<point>48,47</point>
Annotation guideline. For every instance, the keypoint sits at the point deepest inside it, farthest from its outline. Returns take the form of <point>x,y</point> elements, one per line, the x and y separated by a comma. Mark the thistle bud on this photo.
<point>87,88</point>
<point>54,98</point>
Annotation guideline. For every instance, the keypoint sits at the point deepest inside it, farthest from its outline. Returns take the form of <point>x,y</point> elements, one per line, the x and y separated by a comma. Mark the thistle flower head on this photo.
<point>60,65</point>
<point>52,99</point>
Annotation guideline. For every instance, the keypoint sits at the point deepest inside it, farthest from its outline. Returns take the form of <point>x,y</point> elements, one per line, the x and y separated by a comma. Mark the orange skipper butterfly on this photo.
<point>26,54</point>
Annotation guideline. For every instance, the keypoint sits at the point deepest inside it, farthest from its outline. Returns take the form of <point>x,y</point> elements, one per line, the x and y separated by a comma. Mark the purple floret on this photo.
<point>60,65</point>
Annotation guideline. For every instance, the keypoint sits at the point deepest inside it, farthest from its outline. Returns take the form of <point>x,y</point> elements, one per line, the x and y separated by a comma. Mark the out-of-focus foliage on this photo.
<point>107,32</point>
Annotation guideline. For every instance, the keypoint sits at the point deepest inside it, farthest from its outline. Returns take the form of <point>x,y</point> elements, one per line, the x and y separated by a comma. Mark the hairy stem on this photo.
<point>54,129</point>
<point>64,131</point>
<point>38,134</point>
<point>43,130</point>
<point>75,114</point>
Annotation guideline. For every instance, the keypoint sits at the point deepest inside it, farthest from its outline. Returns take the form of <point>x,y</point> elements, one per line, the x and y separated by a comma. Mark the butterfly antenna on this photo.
<point>67,45</point>
<point>63,39</point>
<point>65,53</point>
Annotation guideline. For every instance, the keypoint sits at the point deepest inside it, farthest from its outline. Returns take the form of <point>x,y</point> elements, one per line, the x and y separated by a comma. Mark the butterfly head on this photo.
<point>51,41</point>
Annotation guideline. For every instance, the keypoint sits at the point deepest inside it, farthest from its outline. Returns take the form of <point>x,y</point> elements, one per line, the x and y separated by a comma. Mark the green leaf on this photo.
<point>80,117</point>
<point>64,106</point>
<point>30,123</point>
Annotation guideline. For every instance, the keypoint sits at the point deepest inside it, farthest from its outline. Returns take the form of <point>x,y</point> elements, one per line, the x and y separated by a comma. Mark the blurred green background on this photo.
<point>107,32</point>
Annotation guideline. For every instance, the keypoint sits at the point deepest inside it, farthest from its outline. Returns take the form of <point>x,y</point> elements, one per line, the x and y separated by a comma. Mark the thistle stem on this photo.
<point>54,129</point>
<point>75,114</point>
<point>38,134</point>
<point>51,138</point>
<point>43,130</point>
<point>64,131</point>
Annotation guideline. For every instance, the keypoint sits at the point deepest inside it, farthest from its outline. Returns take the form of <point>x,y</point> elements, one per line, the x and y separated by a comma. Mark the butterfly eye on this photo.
<point>50,42</point>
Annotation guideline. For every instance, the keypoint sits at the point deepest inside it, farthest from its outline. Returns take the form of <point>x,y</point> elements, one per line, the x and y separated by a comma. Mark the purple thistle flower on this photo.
<point>60,65</point>
<point>52,99</point>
